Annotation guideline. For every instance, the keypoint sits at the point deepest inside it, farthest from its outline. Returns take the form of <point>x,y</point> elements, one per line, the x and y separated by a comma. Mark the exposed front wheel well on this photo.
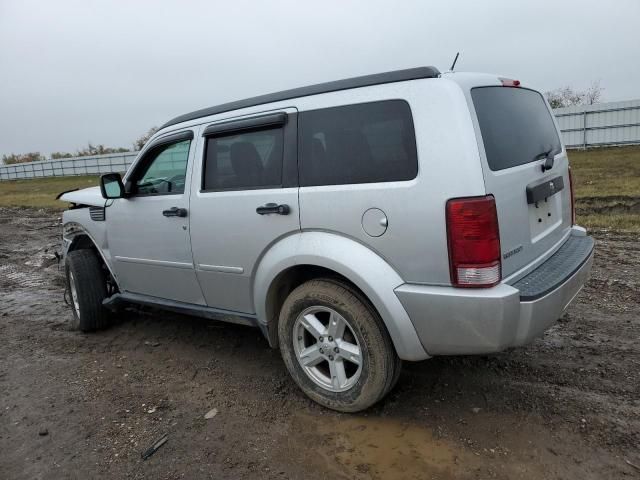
<point>84,242</point>
<point>287,281</point>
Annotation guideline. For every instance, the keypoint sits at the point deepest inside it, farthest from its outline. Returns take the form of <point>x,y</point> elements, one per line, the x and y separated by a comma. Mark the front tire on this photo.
<point>336,347</point>
<point>87,287</point>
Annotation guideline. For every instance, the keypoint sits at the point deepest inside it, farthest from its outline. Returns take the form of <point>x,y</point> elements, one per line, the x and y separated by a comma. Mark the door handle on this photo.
<point>273,208</point>
<point>175,212</point>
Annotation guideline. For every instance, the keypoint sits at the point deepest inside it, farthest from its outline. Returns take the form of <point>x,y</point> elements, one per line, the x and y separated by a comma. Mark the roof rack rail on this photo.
<point>356,82</point>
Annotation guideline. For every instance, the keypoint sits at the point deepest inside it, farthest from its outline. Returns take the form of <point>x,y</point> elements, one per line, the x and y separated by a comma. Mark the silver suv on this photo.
<point>356,223</point>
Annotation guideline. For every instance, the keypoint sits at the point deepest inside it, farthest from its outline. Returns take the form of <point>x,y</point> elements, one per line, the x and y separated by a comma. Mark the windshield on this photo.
<point>516,126</point>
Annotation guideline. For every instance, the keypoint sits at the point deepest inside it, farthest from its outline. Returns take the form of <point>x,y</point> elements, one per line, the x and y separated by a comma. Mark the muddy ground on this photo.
<point>86,406</point>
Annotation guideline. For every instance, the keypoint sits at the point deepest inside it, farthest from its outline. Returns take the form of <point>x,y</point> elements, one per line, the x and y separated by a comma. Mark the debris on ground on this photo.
<point>632,464</point>
<point>154,448</point>
<point>211,413</point>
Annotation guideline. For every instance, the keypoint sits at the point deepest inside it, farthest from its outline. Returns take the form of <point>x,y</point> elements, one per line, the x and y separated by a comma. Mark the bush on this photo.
<point>89,151</point>
<point>13,158</point>
<point>139,143</point>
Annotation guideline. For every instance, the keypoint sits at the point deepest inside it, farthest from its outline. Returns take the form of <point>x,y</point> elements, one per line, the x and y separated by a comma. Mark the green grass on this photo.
<point>621,222</point>
<point>41,192</point>
<point>604,172</point>
<point>607,183</point>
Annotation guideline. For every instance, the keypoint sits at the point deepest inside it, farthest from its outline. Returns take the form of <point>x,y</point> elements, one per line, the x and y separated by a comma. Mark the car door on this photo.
<point>246,200</point>
<point>148,232</point>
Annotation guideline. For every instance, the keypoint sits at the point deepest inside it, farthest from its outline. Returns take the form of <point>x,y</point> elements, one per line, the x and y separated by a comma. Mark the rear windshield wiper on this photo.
<point>548,156</point>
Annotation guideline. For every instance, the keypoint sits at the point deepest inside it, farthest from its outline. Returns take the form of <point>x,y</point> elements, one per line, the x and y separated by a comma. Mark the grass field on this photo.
<point>607,182</point>
<point>41,192</point>
<point>606,172</point>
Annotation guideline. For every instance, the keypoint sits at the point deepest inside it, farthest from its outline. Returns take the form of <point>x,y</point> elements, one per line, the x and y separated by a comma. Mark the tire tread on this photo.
<point>91,288</point>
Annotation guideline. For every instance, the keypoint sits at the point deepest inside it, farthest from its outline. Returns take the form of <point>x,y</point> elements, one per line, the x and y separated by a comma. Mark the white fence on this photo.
<point>613,123</point>
<point>117,162</point>
<point>583,126</point>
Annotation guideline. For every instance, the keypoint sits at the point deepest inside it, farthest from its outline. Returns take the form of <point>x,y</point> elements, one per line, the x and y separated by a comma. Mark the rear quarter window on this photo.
<point>364,143</point>
<point>515,124</point>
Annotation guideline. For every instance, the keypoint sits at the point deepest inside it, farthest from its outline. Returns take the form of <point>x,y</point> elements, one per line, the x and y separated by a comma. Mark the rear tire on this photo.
<point>87,287</point>
<point>336,346</point>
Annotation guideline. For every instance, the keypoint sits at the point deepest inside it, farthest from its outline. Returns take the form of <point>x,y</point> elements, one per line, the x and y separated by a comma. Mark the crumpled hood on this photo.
<point>87,196</point>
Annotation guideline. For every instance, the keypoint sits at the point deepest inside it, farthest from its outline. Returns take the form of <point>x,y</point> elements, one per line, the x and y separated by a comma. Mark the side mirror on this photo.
<point>111,186</point>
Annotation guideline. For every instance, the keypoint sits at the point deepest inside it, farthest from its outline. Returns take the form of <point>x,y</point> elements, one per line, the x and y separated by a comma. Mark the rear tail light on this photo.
<point>474,242</point>
<point>573,199</point>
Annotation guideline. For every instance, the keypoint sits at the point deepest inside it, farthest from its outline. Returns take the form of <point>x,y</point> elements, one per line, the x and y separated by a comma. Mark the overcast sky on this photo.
<point>73,72</point>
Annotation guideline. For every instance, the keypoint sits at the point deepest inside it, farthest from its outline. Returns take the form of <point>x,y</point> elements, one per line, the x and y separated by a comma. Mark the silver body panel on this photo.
<point>453,321</point>
<point>415,242</point>
<point>366,269</point>
<point>225,256</point>
<point>87,196</point>
<point>229,237</point>
<point>150,253</point>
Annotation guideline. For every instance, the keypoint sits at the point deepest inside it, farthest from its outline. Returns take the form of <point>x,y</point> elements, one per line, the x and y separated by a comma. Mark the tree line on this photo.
<point>89,151</point>
<point>568,97</point>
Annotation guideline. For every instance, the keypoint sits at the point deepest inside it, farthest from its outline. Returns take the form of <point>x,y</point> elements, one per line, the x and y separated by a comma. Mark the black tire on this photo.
<point>91,289</point>
<point>380,363</point>
<point>396,376</point>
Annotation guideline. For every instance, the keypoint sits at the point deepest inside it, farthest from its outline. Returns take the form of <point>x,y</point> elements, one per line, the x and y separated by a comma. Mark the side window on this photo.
<point>166,170</point>
<point>366,143</point>
<point>244,161</point>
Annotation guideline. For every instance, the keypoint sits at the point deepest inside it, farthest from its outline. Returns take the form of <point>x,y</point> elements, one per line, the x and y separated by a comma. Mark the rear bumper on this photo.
<point>456,321</point>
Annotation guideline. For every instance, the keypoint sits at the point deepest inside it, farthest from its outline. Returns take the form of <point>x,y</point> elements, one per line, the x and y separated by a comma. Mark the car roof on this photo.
<point>345,84</point>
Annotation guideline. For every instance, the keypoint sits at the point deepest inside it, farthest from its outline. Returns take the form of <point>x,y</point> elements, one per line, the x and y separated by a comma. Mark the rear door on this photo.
<point>245,197</point>
<point>519,136</point>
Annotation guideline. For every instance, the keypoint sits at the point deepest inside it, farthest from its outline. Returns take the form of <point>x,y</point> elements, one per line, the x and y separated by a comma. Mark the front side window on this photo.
<point>166,170</point>
<point>365,143</point>
<point>244,161</point>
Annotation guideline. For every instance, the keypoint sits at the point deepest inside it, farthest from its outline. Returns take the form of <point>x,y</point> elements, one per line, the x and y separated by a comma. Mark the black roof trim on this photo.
<point>233,126</point>
<point>173,138</point>
<point>365,81</point>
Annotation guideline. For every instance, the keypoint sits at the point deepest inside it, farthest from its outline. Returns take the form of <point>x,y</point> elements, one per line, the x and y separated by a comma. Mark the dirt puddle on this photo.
<point>368,447</point>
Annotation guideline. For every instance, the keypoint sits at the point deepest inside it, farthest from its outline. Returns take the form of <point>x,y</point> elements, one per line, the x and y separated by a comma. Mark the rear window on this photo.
<point>516,125</point>
<point>364,143</point>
